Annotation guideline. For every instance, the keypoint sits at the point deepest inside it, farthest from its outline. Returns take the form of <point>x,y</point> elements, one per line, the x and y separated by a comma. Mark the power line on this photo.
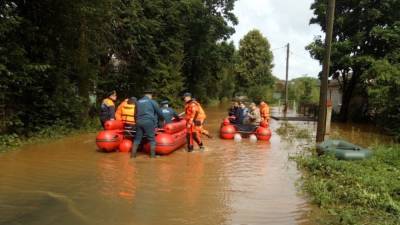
<point>278,48</point>
<point>298,55</point>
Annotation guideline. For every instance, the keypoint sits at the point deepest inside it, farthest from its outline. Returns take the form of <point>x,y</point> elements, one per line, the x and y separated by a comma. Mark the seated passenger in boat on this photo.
<point>232,110</point>
<point>243,112</point>
<point>168,114</point>
<point>254,116</point>
<point>234,113</point>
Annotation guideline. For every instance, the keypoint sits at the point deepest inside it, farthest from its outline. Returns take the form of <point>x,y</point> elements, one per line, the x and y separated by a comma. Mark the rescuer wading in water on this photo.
<point>194,116</point>
<point>147,114</point>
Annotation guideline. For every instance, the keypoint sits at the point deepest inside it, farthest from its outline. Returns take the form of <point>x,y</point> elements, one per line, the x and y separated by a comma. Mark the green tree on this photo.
<point>55,54</point>
<point>209,22</point>
<point>383,80</point>
<point>304,90</point>
<point>384,94</point>
<point>50,54</point>
<point>361,32</point>
<point>172,46</point>
<point>254,76</point>
<point>148,49</point>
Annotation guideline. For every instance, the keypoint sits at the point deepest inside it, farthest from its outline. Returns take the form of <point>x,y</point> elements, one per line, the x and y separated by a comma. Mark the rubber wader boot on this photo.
<point>198,141</point>
<point>189,144</point>
<point>153,151</point>
<point>134,150</point>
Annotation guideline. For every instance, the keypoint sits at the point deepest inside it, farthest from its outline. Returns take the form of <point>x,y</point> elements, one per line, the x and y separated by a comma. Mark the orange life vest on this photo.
<point>118,113</point>
<point>128,113</point>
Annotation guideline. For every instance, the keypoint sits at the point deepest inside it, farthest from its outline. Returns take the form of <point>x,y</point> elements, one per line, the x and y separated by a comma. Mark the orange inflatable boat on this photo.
<point>229,130</point>
<point>168,139</point>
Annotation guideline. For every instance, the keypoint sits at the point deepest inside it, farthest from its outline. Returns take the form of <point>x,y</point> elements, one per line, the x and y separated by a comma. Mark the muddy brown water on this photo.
<point>66,182</point>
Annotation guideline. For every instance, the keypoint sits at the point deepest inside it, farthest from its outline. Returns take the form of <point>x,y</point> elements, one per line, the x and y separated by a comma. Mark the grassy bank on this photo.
<point>12,141</point>
<point>354,192</point>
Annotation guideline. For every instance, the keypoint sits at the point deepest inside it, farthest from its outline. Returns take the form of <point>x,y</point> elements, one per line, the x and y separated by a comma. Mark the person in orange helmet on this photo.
<point>264,111</point>
<point>194,116</point>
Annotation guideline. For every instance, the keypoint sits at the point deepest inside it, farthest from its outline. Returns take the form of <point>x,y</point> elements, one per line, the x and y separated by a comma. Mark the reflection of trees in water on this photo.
<point>193,178</point>
<point>117,177</point>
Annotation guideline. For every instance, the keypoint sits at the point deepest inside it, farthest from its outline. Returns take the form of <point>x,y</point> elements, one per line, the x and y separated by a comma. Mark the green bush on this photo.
<point>57,130</point>
<point>354,192</point>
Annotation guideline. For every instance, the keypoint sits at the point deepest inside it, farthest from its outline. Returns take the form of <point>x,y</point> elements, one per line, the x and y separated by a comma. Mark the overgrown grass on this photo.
<point>289,132</point>
<point>58,130</point>
<point>354,192</point>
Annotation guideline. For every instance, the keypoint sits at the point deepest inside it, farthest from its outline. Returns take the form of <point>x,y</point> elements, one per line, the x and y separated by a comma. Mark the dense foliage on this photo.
<point>58,57</point>
<point>365,55</point>
<point>355,192</point>
<point>254,67</point>
<point>304,90</point>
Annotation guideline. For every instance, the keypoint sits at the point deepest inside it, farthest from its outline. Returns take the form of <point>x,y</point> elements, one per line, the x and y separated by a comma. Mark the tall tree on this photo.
<point>50,55</point>
<point>304,90</point>
<point>54,54</point>
<point>254,69</point>
<point>383,81</point>
<point>356,43</point>
<point>208,23</point>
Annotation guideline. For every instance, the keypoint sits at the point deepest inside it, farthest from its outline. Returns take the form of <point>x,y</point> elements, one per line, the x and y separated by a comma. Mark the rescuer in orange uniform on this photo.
<point>264,111</point>
<point>194,116</point>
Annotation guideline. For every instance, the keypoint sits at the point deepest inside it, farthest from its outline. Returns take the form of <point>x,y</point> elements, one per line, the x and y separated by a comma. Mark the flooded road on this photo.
<point>67,182</point>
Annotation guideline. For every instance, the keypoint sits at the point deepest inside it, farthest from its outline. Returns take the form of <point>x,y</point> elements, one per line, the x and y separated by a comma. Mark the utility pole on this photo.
<point>287,78</point>
<point>325,73</point>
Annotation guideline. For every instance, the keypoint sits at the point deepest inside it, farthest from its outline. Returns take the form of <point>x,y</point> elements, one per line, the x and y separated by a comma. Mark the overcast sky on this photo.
<point>282,22</point>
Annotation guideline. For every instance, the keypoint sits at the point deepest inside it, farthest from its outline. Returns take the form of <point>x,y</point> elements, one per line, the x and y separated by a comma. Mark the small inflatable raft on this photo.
<point>168,139</point>
<point>343,150</point>
<point>229,131</point>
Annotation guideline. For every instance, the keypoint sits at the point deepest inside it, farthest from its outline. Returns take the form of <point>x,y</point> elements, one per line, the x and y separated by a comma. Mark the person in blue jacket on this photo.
<point>146,117</point>
<point>168,113</point>
<point>243,113</point>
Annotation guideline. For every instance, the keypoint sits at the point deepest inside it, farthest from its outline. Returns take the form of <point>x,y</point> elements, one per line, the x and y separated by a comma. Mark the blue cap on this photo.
<point>187,94</point>
<point>149,91</point>
<point>164,102</point>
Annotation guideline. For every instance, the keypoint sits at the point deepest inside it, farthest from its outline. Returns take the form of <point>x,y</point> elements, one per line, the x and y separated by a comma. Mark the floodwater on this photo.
<point>366,135</point>
<point>67,182</point>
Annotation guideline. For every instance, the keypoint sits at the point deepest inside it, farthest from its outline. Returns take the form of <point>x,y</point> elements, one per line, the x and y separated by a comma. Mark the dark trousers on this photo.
<point>145,127</point>
<point>102,123</point>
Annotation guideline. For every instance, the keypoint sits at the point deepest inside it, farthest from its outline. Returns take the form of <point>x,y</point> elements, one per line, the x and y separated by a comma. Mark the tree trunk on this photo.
<point>83,70</point>
<point>348,91</point>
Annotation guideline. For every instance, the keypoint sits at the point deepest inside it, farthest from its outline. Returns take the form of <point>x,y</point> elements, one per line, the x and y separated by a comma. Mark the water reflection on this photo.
<point>116,177</point>
<point>228,183</point>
